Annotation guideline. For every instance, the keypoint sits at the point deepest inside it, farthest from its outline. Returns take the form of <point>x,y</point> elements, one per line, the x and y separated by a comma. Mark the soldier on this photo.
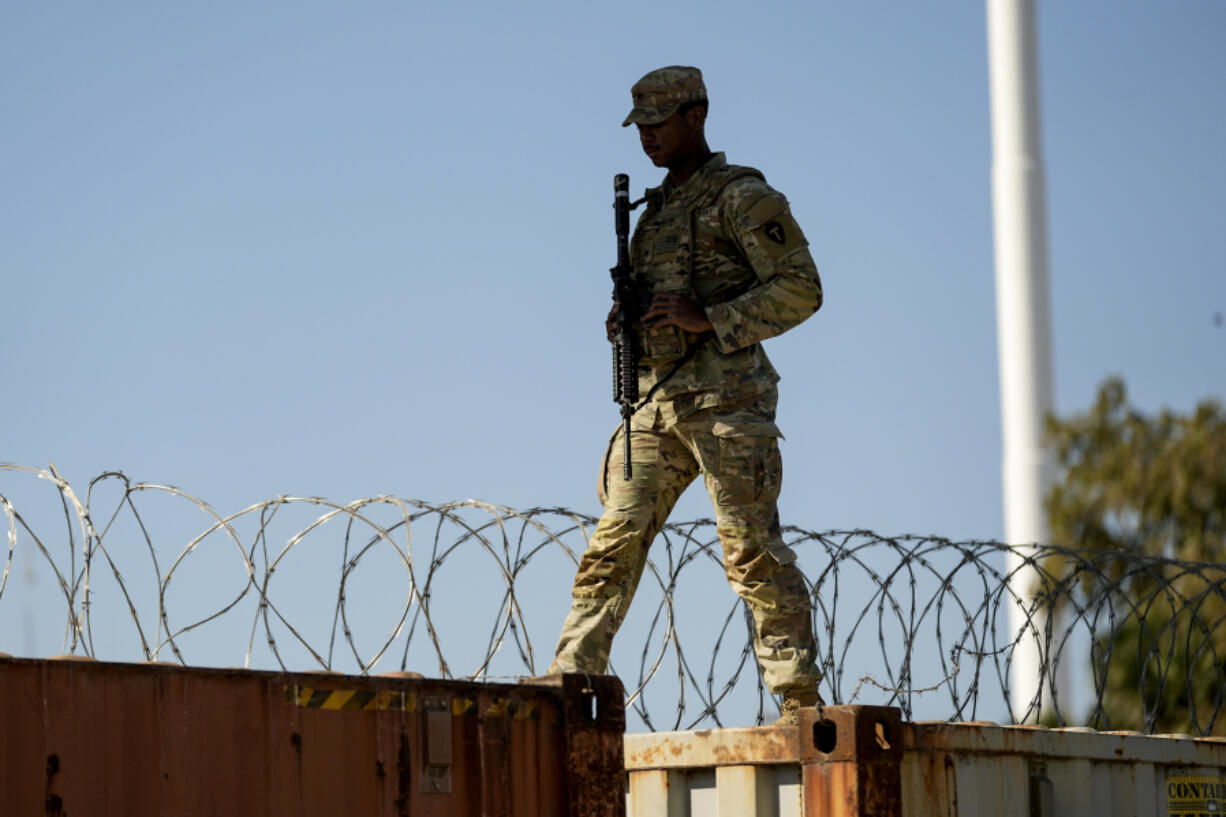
<point>727,268</point>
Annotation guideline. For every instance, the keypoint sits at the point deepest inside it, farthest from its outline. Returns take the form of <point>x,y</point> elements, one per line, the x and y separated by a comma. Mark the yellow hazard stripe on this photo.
<point>350,699</point>
<point>338,700</point>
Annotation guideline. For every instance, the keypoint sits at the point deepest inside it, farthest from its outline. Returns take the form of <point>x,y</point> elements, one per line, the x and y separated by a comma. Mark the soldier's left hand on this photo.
<point>676,310</point>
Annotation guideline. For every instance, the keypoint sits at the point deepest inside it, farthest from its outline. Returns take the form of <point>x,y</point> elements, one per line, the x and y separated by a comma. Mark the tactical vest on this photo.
<point>663,251</point>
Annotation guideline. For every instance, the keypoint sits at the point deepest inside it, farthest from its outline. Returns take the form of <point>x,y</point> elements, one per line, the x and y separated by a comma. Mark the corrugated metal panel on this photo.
<point>1084,772</point>
<point>842,762</point>
<point>743,790</point>
<point>89,738</point>
<point>847,765</point>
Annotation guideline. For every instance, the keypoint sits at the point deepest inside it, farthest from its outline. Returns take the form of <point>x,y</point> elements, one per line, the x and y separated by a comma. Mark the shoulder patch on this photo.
<point>779,235</point>
<point>764,209</point>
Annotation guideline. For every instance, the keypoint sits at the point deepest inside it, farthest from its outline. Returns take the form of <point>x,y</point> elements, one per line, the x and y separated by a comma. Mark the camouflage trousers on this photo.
<point>738,456</point>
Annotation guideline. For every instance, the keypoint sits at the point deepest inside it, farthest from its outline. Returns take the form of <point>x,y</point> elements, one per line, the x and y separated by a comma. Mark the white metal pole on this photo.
<point>1023,325</point>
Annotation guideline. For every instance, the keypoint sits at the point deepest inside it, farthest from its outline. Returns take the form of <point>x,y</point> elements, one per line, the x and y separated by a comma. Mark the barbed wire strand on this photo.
<point>906,591</point>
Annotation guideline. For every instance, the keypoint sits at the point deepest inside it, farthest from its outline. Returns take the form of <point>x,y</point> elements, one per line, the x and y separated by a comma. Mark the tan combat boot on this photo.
<point>793,700</point>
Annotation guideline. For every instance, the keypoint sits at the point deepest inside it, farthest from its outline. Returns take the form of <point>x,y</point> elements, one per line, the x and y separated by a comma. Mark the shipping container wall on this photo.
<point>1018,771</point>
<point>866,761</point>
<point>88,738</point>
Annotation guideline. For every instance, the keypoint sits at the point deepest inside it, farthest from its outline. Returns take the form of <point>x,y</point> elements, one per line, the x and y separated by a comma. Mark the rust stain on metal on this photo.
<point>852,757</point>
<point>951,784</point>
<point>122,739</point>
<point>767,748</point>
<point>859,761</point>
<point>493,730</point>
<point>712,747</point>
<point>1074,743</point>
<point>653,755</point>
<point>595,769</point>
<point>404,775</point>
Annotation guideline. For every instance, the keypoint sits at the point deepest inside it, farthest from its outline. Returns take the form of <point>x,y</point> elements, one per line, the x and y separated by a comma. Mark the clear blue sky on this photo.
<point>354,249</point>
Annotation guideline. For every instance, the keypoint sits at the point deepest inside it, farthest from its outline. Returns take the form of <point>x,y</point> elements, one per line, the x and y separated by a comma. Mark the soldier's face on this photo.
<point>672,140</point>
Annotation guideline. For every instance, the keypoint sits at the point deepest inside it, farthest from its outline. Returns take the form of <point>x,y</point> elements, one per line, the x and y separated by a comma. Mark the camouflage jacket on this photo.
<point>727,239</point>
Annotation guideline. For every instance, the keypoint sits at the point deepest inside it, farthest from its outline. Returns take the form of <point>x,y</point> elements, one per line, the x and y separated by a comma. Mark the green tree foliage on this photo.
<point>1152,487</point>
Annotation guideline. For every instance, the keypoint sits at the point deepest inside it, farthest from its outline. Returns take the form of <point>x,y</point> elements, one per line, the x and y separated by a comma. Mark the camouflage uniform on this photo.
<point>726,239</point>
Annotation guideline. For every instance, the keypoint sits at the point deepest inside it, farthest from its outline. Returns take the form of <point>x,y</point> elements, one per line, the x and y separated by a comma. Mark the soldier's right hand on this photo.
<point>610,323</point>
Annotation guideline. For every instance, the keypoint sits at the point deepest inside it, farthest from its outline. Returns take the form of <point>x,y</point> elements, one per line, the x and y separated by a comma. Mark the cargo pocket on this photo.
<point>602,484</point>
<point>749,469</point>
<point>618,494</point>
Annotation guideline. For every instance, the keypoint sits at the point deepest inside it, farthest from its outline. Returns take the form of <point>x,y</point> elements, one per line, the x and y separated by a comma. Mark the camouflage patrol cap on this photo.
<point>659,94</point>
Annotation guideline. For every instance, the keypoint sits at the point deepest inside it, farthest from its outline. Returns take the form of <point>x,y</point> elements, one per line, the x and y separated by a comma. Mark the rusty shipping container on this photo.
<point>90,739</point>
<point>855,761</point>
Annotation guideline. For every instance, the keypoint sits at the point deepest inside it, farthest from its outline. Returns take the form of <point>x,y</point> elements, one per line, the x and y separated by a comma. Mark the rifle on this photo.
<point>626,297</point>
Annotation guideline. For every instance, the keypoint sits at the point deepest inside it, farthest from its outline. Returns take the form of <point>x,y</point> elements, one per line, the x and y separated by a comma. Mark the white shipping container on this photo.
<point>866,761</point>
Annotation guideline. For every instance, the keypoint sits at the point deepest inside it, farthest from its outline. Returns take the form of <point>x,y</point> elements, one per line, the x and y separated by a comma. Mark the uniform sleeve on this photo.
<point>789,289</point>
